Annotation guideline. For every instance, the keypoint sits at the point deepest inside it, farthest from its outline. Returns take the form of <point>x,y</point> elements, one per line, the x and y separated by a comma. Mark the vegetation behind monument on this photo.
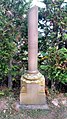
<point>13,37</point>
<point>53,41</point>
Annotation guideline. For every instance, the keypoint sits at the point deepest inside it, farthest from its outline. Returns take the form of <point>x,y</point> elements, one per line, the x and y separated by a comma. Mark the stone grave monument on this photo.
<point>32,93</point>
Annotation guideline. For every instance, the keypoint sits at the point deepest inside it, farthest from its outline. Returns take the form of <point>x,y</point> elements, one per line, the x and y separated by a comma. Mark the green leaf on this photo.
<point>1,93</point>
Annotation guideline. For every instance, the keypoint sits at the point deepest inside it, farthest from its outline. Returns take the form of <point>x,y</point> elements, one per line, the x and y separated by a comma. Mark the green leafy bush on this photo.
<point>56,65</point>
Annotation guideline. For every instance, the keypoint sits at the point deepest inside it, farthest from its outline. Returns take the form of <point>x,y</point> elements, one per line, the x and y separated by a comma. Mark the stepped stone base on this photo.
<point>34,107</point>
<point>32,90</point>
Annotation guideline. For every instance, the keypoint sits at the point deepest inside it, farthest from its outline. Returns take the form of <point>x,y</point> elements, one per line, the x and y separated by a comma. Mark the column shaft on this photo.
<point>32,39</point>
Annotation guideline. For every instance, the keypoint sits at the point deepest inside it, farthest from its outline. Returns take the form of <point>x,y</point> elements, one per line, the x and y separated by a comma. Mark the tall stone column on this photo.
<point>33,82</point>
<point>32,39</point>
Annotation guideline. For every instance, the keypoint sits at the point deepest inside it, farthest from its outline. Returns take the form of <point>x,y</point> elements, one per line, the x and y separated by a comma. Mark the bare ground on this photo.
<point>9,108</point>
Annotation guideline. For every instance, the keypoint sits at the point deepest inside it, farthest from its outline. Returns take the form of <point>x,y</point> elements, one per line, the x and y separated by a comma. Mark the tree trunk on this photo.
<point>9,75</point>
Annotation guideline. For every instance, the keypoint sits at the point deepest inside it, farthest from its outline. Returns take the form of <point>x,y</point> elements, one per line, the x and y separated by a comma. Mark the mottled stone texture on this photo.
<point>32,39</point>
<point>32,89</point>
<point>32,83</point>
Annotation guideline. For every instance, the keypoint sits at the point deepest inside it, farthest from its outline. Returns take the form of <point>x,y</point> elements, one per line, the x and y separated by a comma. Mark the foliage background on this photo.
<point>52,26</point>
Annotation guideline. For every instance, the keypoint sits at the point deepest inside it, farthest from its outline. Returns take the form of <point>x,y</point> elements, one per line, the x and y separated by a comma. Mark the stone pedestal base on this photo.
<point>32,89</point>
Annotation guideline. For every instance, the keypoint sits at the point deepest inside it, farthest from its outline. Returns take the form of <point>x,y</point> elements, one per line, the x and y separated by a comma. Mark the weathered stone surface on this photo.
<point>32,39</point>
<point>32,92</point>
<point>45,106</point>
<point>32,83</point>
